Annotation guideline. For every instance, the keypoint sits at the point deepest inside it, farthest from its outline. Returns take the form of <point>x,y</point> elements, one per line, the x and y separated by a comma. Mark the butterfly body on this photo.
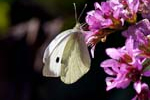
<point>67,56</point>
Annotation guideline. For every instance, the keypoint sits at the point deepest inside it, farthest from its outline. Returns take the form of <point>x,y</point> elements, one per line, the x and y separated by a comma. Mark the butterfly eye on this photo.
<point>57,59</point>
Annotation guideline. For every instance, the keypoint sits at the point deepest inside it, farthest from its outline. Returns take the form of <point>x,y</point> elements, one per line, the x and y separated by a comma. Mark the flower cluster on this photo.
<point>129,63</point>
<point>113,15</point>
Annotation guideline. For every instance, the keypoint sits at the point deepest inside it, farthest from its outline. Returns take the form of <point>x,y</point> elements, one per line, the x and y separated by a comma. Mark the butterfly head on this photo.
<point>77,26</point>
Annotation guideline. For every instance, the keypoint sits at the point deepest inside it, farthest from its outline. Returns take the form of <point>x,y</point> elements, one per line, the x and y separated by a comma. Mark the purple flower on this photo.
<point>106,15</point>
<point>131,62</point>
<point>122,59</point>
<point>129,9</point>
<point>124,66</point>
<point>119,72</point>
<point>133,5</point>
<point>126,54</point>
<point>144,8</point>
<point>140,33</point>
<point>110,15</point>
<point>143,92</point>
<point>144,46</point>
<point>92,38</point>
<point>142,26</point>
<point>97,19</point>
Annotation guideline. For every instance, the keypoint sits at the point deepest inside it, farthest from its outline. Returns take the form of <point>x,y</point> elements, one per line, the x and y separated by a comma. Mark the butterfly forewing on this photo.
<point>55,42</point>
<point>53,55</point>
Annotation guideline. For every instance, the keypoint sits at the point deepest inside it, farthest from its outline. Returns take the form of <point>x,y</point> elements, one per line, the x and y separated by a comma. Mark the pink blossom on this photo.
<point>106,15</point>
<point>129,9</point>
<point>109,15</point>
<point>140,34</point>
<point>97,19</point>
<point>144,8</point>
<point>124,67</point>
<point>143,92</point>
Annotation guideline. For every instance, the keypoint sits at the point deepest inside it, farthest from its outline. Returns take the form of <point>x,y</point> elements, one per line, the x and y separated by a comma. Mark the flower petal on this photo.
<point>110,83</point>
<point>92,51</point>
<point>109,63</point>
<point>113,53</point>
<point>109,71</point>
<point>97,5</point>
<point>122,81</point>
<point>138,86</point>
<point>129,46</point>
<point>146,73</point>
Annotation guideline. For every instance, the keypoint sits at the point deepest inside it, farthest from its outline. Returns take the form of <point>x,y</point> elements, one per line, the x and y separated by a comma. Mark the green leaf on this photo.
<point>146,65</point>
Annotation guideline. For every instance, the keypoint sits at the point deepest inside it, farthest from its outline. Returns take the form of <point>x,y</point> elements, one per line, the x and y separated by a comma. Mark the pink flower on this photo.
<point>143,92</point>
<point>124,66</point>
<point>109,15</point>
<point>141,35</point>
<point>122,59</point>
<point>106,15</point>
<point>142,26</point>
<point>130,8</point>
<point>144,8</point>
<point>92,38</point>
<point>119,72</point>
<point>97,19</point>
<point>133,5</point>
<point>144,46</point>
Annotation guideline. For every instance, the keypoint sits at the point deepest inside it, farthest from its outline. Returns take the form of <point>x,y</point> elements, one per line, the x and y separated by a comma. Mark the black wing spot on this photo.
<point>57,59</point>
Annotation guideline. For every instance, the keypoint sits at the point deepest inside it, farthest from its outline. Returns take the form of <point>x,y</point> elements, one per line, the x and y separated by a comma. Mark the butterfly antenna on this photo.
<point>83,24</point>
<point>75,11</point>
<point>82,12</point>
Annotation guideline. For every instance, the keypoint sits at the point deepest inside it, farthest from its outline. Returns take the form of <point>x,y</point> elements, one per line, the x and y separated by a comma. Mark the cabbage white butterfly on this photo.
<point>67,56</point>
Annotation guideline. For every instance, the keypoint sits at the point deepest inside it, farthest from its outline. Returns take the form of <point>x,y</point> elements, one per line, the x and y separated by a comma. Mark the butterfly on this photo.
<point>67,56</point>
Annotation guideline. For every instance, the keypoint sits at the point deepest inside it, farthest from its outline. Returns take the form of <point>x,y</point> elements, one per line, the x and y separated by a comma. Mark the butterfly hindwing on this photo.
<point>76,60</point>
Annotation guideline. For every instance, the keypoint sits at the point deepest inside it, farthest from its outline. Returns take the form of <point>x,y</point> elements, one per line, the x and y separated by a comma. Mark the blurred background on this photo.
<point>26,28</point>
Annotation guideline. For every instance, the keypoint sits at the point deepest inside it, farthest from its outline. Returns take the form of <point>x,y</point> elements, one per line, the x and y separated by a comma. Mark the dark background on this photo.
<point>21,78</point>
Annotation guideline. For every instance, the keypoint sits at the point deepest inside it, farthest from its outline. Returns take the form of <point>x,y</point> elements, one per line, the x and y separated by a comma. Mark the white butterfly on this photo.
<point>67,56</point>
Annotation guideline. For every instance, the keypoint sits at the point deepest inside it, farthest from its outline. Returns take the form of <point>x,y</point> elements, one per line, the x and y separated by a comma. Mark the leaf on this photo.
<point>146,65</point>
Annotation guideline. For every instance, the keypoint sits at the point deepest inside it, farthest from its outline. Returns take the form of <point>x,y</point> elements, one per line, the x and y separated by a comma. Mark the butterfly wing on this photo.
<point>76,60</point>
<point>53,55</point>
